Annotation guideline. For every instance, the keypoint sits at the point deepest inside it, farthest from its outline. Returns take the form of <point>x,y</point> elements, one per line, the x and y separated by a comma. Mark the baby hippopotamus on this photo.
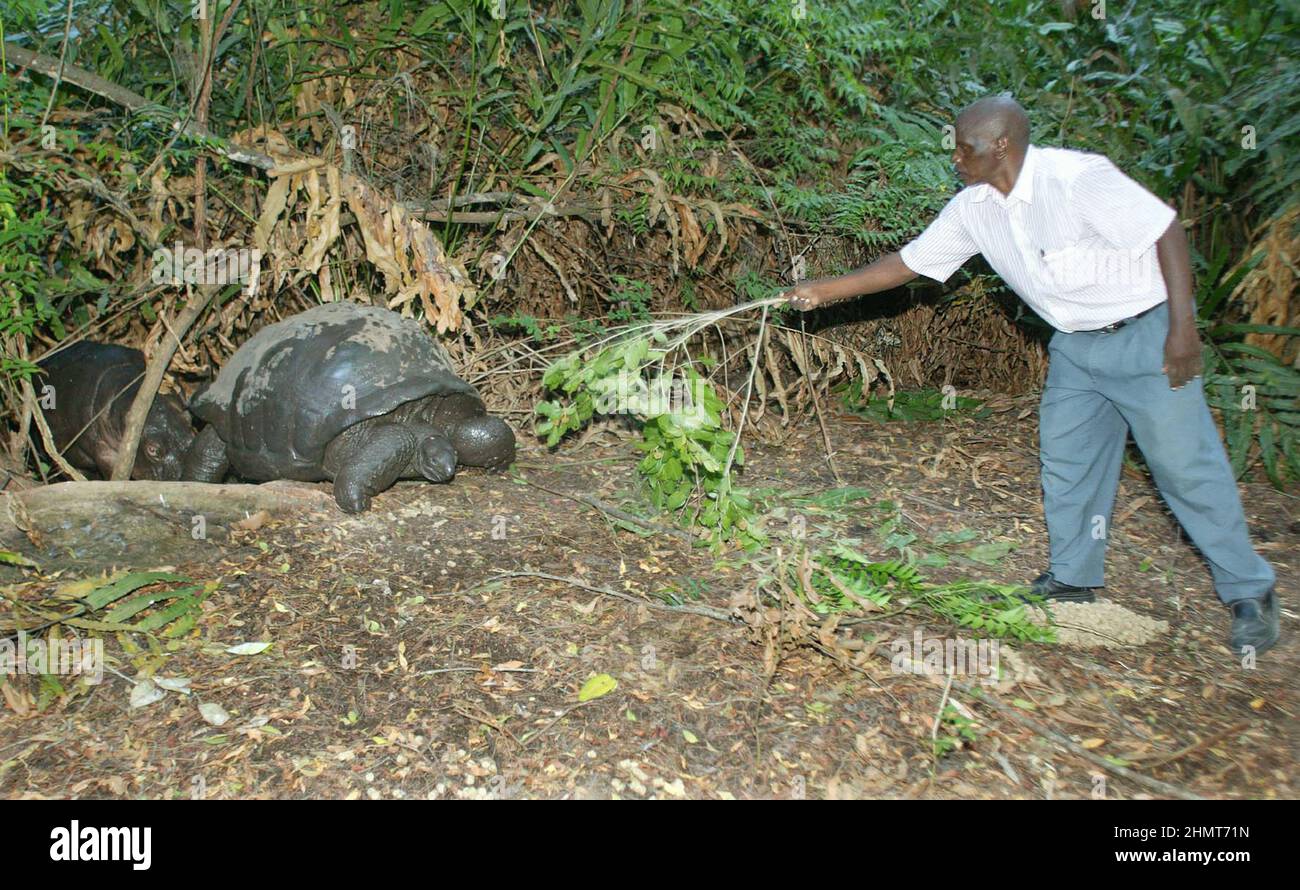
<point>91,387</point>
<point>347,392</point>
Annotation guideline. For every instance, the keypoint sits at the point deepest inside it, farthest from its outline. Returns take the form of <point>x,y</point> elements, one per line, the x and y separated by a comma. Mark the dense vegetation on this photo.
<point>838,107</point>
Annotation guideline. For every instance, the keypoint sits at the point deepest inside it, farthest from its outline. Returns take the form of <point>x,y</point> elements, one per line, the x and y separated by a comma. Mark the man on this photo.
<point>1104,262</point>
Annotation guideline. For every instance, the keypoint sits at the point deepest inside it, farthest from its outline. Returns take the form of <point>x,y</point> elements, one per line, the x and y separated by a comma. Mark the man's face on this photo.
<point>974,155</point>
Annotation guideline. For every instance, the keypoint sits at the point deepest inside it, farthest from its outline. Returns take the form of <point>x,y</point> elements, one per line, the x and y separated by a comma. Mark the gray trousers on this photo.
<point>1101,386</point>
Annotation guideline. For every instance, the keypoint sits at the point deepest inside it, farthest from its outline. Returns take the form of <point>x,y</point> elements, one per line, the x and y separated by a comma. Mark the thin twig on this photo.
<point>704,611</point>
<point>63,60</point>
<point>938,715</point>
<point>529,736</point>
<point>47,438</point>
<point>32,408</point>
<point>749,390</point>
<point>1065,744</point>
<point>614,512</point>
<point>817,406</point>
<point>1195,746</point>
<point>483,718</point>
<point>138,413</point>
<point>476,670</point>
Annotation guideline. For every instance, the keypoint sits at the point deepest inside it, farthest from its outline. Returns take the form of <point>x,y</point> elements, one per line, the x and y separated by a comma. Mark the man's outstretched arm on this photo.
<point>886,273</point>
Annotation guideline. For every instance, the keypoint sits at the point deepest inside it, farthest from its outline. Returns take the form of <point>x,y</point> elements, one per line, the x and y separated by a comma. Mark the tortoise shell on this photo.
<point>298,383</point>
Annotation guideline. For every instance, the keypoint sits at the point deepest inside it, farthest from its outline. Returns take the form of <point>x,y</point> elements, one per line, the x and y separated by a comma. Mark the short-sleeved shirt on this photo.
<point>1075,239</point>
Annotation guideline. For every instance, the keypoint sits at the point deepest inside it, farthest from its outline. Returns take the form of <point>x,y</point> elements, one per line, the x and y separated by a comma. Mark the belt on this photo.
<point>1112,328</point>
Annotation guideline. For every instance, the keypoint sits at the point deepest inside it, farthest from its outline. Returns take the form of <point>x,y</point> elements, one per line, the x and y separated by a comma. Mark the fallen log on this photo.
<point>100,524</point>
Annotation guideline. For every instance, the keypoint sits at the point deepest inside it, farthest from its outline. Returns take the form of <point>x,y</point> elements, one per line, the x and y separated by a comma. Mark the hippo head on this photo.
<point>484,441</point>
<point>164,442</point>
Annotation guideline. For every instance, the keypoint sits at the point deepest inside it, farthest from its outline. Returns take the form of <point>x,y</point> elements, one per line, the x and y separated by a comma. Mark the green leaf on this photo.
<point>1187,112</point>
<point>679,497</point>
<point>137,604</point>
<point>957,537</point>
<point>600,684</point>
<point>843,551</point>
<point>120,587</point>
<point>932,560</point>
<point>424,21</point>
<point>8,557</point>
<point>1268,453</point>
<point>989,553</point>
<point>672,470</point>
<point>179,609</point>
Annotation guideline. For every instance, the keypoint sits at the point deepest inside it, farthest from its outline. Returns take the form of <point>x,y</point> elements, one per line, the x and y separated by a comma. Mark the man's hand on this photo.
<point>1182,355</point>
<point>885,273</point>
<point>804,297</point>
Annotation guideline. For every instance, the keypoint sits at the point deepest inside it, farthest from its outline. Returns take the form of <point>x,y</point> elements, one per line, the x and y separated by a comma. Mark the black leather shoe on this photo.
<point>1049,588</point>
<point>1255,623</point>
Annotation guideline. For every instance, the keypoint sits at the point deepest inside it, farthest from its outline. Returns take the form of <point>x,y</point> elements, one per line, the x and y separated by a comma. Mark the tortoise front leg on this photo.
<point>363,465</point>
<point>206,460</point>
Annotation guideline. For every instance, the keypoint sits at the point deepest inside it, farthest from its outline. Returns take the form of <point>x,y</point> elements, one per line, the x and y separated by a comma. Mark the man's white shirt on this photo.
<point>1075,239</point>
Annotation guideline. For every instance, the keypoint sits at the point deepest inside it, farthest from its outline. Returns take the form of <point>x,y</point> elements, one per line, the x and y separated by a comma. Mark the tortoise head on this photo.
<point>436,459</point>
<point>484,441</point>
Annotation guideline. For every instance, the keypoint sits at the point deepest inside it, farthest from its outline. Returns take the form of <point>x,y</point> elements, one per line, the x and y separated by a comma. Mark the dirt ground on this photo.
<point>404,665</point>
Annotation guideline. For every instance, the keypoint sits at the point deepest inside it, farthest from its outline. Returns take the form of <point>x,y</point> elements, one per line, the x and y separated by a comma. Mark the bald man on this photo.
<point>1105,263</point>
